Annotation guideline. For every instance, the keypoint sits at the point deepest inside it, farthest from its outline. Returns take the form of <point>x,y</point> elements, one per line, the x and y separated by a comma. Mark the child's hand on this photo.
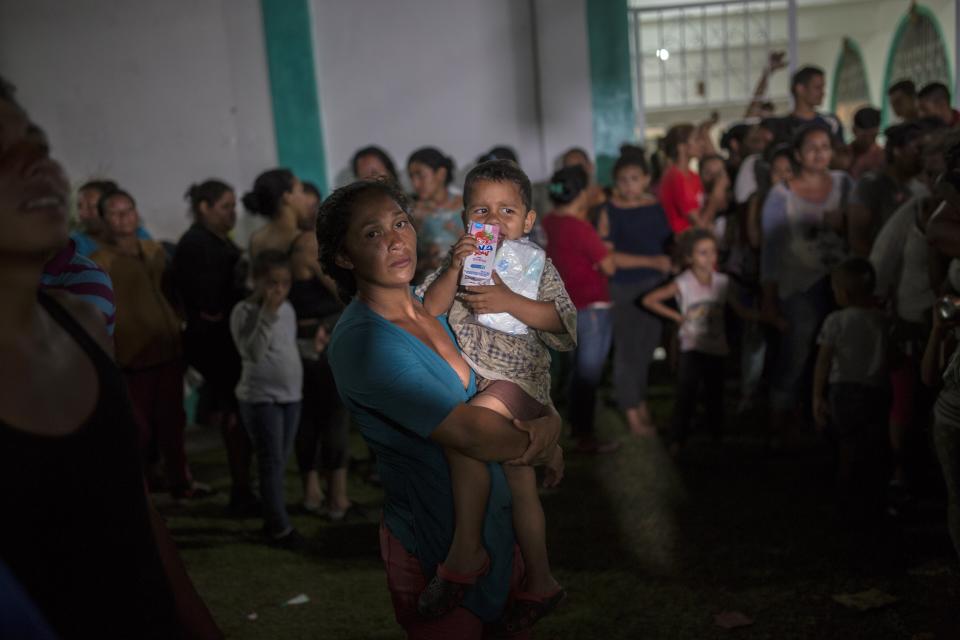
<point>490,298</point>
<point>554,469</point>
<point>821,412</point>
<point>462,250</point>
<point>273,297</point>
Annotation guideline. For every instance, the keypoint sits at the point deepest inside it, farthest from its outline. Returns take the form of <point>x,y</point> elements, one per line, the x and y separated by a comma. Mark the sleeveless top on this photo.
<point>76,527</point>
<point>703,307</point>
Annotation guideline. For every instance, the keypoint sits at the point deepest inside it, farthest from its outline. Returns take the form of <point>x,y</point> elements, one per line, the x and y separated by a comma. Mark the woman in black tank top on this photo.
<point>323,438</point>
<point>78,533</point>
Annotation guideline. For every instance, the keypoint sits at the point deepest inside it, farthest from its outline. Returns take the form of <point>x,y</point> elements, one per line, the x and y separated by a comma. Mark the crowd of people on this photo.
<point>823,272</point>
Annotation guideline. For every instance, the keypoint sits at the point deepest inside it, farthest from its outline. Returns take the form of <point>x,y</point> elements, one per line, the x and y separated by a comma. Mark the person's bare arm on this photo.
<point>653,302</point>
<point>438,298</point>
<point>607,266</point>
<point>499,298</point>
<point>820,375</point>
<point>776,61</point>
<point>939,345</point>
<point>88,316</point>
<point>485,435</point>
<point>660,263</point>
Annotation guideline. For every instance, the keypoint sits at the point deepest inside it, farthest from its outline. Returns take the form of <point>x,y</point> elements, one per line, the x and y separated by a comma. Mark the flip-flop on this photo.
<point>526,610</point>
<point>447,589</point>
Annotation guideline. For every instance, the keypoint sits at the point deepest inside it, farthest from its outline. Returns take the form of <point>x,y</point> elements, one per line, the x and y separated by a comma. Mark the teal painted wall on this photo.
<point>293,89</point>
<point>610,78</point>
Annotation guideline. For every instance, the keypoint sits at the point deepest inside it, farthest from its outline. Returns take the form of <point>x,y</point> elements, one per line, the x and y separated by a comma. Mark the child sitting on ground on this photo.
<point>702,295</point>
<point>264,329</point>
<point>513,374</point>
<point>851,392</point>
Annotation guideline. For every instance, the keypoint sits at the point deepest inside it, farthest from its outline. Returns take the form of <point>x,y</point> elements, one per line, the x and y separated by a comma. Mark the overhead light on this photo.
<point>663,54</point>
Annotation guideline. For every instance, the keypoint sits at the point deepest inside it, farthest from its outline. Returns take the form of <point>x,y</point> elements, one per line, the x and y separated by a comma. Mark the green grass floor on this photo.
<point>646,548</point>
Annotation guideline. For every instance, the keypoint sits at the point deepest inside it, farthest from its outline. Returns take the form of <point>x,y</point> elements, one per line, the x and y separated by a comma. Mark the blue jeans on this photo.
<point>594,336</point>
<point>804,313</point>
<point>273,430</point>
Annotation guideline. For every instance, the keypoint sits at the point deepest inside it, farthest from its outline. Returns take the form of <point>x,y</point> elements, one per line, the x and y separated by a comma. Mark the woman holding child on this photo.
<point>402,376</point>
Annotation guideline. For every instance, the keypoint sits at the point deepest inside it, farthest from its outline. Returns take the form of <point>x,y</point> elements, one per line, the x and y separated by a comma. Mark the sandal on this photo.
<point>526,610</point>
<point>447,589</point>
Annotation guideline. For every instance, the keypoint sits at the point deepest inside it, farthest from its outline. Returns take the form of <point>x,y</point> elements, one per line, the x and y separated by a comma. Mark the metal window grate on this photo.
<point>851,84</point>
<point>920,55</point>
<point>706,54</point>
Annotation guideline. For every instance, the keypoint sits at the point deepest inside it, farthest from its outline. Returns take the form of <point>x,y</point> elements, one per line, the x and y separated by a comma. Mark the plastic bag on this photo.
<point>520,265</point>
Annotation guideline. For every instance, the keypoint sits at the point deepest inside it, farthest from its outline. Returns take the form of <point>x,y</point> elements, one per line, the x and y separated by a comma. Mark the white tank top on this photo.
<point>703,307</point>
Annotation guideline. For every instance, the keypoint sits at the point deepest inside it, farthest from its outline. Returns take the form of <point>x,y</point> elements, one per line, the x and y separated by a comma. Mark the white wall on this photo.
<point>401,75</point>
<point>156,95</point>
<point>564,63</point>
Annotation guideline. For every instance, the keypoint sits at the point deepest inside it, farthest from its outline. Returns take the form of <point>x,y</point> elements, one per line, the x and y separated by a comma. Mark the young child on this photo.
<point>264,328</point>
<point>851,394</point>
<point>513,374</point>
<point>702,295</point>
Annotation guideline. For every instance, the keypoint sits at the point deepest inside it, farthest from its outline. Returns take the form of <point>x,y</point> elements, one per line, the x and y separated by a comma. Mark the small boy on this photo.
<point>264,329</point>
<point>513,373</point>
<point>853,361</point>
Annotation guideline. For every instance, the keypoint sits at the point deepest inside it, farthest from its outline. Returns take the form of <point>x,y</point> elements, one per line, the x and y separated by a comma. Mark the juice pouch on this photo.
<point>478,267</point>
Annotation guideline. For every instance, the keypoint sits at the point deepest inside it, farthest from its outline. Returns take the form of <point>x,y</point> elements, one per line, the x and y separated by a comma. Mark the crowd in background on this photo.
<point>783,204</point>
<point>821,271</point>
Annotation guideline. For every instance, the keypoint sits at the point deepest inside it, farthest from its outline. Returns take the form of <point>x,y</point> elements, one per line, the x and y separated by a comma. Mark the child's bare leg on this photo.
<point>530,526</point>
<point>471,488</point>
<point>529,523</point>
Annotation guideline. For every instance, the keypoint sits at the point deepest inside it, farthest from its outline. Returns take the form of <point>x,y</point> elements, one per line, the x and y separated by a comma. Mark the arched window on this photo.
<point>850,87</point>
<point>918,52</point>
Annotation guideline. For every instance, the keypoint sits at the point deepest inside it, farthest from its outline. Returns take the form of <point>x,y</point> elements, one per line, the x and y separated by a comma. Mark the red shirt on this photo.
<point>680,193</point>
<point>576,250</point>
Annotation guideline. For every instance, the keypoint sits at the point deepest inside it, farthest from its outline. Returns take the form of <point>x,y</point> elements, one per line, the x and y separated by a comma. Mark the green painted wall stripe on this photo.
<point>612,98</point>
<point>841,59</point>
<point>894,43</point>
<point>293,89</point>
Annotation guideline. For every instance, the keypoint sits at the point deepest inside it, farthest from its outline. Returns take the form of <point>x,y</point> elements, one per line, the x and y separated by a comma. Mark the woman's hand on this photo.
<point>554,469</point>
<point>490,298</point>
<point>321,339</point>
<point>663,264</point>
<point>544,433</point>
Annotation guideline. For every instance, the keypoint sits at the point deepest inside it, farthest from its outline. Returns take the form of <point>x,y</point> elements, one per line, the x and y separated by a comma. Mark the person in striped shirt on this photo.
<point>69,271</point>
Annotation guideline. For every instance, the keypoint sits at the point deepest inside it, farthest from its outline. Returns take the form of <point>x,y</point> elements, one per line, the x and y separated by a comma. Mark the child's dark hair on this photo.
<point>433,158</point>
<point>267,260</point>
<point>576,150</point>
<point>268,190</point>
<point>856,276</point>
<point>378,153</point>
<point>107,196</point>
<point>333,222</point>
<point>567,183</point>
<point>209,191</point>
<point>101,186</point>
<point>499,153</point>
<point>498,171</point>
<point>690,238</point>
<point>631,155</point>
<point>676,135</point>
